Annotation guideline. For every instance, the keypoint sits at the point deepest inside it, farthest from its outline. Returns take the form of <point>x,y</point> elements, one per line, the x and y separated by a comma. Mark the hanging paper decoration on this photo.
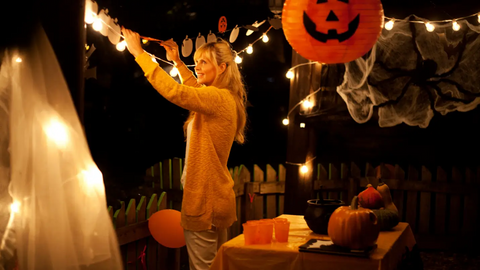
<point>211,37</point>
<point>234,34</point>
<point>187,47</point>
<point>332,31</point>
<point>255,25</point>
<point>103,15</point>
<point>222,24</point>
<point>114,32</point>
<point>200,41</point>
<point>91,11</point>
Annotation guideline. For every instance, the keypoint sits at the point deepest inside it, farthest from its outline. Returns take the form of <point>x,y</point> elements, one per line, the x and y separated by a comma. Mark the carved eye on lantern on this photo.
<point>332,31</point>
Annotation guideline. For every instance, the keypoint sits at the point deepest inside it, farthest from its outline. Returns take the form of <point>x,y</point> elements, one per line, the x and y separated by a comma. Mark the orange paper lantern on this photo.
<point>332,31</point>
<point>165,228</point>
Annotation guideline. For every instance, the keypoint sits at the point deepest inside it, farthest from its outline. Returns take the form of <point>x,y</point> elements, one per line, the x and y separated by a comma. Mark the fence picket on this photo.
<point>271,200</point>
<point>282,175</point>
<point>142,243</point>
<point>412,196</point>
<point>131,217</point>
<point>333,175</point>
<point>425,202</point>
<point>398,195</point>
<point>440,203</point>
<point>258,177</point>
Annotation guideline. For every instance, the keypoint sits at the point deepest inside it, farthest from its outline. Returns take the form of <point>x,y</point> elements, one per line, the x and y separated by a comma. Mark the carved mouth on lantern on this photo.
<point>311,28</point>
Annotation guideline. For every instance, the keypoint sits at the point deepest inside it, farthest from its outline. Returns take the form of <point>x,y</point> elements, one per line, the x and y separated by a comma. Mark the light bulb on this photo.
<point>90,17</point>
<point>307,104</point>
<point>455,26</point>
<point>97,25</point>
<point>154,60</point>
<point>174,72</point>
<point>286,121</point>
<point>302,125</point>
<point>18,60</point>
<point>57,132</point>
<point>389,25</point>
<point>250,49</point>
<point>238,59</point>
<point>121,45</point>
<point>304,169</point>
<point>430,27</point>
<point>290,74</point>
<point>479,18</point>
<point>265,38</point>
<point>144,41</point>
<point>93,179</point>
<point>15,207</point>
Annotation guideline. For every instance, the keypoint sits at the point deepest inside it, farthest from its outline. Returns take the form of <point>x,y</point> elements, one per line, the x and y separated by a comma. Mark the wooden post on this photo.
<point>301,141</point>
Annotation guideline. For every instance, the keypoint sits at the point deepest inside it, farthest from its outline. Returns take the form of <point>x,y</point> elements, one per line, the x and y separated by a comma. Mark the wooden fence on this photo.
<point>440,206</point>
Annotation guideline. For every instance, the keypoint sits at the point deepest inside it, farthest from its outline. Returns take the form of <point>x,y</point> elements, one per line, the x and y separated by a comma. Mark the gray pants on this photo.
<point>202,246</point>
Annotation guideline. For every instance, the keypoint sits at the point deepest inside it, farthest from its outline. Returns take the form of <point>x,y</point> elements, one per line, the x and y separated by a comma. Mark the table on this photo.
<point>234,255</point>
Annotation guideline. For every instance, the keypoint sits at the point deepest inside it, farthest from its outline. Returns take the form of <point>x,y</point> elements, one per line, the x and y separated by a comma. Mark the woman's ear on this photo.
<point>221,68</point>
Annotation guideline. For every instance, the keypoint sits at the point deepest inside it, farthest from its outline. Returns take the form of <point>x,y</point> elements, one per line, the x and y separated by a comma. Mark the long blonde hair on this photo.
<point>220,52</point>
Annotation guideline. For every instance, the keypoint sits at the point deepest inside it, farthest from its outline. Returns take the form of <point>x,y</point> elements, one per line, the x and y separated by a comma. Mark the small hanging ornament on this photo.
<point>222,24</point>
<point>234,34</point>
<point>256,25</point>
<point>187,47</point>
<point>200,41</point>
<point>211,37</point>
<point>103,16</point>
<point>114,32</point>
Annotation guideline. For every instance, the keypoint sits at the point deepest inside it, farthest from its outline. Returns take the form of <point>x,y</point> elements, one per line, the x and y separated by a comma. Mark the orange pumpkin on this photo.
<point>352,227</point>
<point>332,31</point>
<point>370,198</point>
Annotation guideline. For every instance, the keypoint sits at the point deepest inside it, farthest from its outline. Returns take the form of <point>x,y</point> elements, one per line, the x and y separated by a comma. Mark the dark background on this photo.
<point>129,126</point>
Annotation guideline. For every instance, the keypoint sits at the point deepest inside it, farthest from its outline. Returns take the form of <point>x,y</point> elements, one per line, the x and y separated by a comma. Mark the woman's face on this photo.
<point>206,71</point>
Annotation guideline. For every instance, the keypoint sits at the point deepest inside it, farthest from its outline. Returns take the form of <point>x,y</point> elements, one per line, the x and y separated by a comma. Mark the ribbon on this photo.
<point>141,257</point>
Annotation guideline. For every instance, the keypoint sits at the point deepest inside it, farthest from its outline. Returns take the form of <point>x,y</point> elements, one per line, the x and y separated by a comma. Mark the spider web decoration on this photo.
<point>412,74</point>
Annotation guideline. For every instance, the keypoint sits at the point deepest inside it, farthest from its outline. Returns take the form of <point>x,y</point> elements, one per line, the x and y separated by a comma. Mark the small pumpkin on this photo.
<point>384,191</point>
<point>387,219</point>
<point>353,227</point>
<point>370,198</point>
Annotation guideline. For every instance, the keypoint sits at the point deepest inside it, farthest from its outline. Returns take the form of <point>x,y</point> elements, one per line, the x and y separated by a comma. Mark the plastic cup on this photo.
<point>265,232</point>
<point>280,220</point>
<point>250,233</point>
<point>281,231</point>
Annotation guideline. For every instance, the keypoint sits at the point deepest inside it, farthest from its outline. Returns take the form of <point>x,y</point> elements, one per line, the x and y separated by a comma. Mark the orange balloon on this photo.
<point>165,227</point>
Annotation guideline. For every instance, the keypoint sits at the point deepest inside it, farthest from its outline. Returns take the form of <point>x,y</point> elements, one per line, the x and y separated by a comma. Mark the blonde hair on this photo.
<point>220,52</point>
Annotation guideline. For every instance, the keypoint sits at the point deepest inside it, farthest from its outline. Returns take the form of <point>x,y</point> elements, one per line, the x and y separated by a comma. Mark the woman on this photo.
<point>216,101</point>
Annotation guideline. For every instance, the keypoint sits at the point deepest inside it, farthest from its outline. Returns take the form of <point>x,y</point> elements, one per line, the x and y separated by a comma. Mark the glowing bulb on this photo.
<point>90,17</point>
<point>144,41</point>
<point>265,38</point>
<point>238,59</point>
<point>455,26</point>
<point>121,45</point>
<point>97,25</point>
<point>430,27</point>
<point>87,47</point>
<point>290,74</point>
<point>302,125</point>
<point>93,178</point>
<point>15,207</point>
<point>57,132</point>
<point>154,60</point>
<point>174,72</point>
<point>304,169</point>
<point>389,25</point>
<point>307,104</point>
<point>479,18</point>
<point>18,60</point>
<point>250,49</point>
<point>286,121</point>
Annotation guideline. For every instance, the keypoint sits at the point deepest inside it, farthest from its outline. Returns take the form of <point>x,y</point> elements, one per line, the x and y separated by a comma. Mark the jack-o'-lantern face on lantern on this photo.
<point>332,31</point>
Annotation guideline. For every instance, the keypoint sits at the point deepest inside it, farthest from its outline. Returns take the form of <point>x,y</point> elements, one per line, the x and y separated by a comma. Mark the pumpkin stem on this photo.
<point>369,185</point>
<point>354,204</point>
<point>380,184</point>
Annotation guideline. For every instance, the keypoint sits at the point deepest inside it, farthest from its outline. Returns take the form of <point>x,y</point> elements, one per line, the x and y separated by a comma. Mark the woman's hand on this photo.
<point>172,51</point>
<point>133,42</point>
